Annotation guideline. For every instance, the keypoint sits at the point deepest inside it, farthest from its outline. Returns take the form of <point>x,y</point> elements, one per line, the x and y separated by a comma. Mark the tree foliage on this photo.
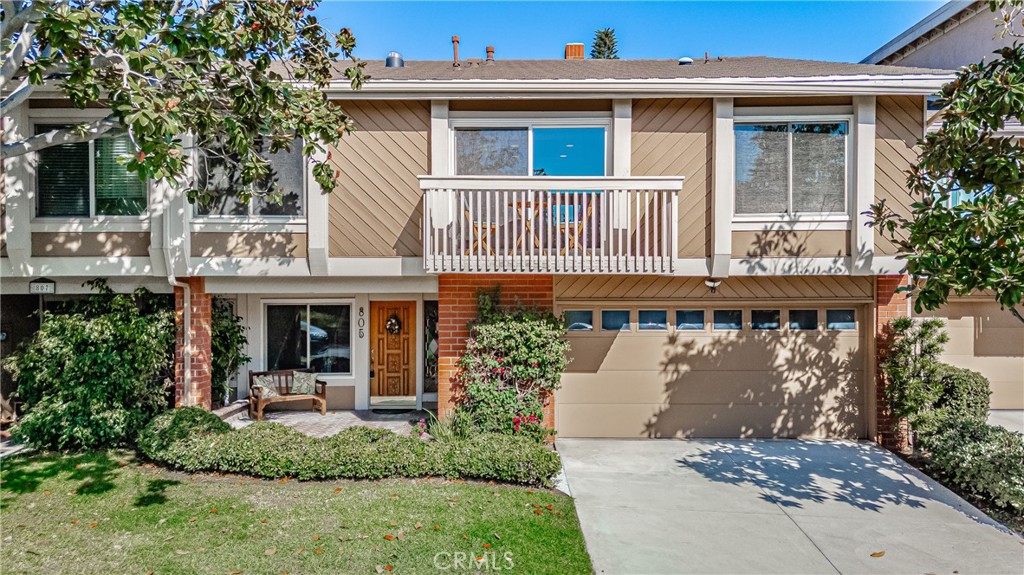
<point>911,365</point>
<point>227,342</point>
<point>605,45</point>
<point>241,78</point>
<point>94,376</point>
<point>964,232</point>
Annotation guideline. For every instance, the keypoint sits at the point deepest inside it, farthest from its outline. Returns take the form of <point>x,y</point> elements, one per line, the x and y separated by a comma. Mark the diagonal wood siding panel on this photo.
<point>672,137</point>
<point>377,209</point>
<point>899,125</point>
<point>569,288</point>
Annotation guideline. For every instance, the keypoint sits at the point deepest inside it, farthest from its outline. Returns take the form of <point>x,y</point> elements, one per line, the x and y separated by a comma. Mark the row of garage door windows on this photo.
<point>618,320</point>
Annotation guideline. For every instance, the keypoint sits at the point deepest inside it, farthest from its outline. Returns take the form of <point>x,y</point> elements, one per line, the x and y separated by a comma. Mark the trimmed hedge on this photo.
<point>274,451</point>
<point>175,425</point>
<point>983,459</point>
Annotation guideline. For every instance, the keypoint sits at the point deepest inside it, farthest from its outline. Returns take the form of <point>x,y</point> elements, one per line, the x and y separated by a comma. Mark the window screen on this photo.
<point>491,152</point>
<point>224,179</point>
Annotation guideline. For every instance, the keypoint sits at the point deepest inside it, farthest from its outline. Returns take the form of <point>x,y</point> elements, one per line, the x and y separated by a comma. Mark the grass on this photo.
<point>105,512</point>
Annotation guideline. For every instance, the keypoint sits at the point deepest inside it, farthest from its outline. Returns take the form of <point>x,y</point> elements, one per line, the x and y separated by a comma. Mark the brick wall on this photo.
<point>200,392</point>
<point>889,305</point>
<point>457,295</point>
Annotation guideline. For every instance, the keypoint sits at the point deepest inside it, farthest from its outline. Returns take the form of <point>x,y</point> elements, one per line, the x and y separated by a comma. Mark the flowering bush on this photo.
<point>513,361</point>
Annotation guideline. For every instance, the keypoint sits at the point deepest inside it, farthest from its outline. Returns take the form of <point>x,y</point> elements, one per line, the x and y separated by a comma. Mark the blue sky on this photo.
<point>839,31</point>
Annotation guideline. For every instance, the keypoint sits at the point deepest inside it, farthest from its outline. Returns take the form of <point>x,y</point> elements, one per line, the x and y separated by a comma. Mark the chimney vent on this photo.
<point>394,60</point>
<point>574,51</point>
<point>490,53</point>
<point>455,48</point>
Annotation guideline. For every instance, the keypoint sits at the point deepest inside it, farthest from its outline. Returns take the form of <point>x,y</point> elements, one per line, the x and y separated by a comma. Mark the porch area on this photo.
<point>313,424</point>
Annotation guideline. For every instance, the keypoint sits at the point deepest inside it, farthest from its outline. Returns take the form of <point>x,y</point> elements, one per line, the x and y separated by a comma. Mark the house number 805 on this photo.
<point>361,322</point>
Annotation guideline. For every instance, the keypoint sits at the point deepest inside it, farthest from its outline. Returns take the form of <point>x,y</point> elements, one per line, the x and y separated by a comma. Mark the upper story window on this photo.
<point>85,180</point>
<point>531,150</point>
<point>791,168</point>
<point>223,178</point>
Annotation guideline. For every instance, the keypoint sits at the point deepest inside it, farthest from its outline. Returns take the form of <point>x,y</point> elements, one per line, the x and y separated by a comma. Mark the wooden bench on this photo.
<point>283,379</point>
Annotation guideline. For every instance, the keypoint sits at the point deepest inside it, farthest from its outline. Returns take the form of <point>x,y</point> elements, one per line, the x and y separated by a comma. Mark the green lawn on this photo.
<point>105,513</point>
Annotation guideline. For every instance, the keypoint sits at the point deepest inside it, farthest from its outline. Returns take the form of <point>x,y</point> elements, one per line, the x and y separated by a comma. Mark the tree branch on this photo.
<point>108,126</point>
<point>17,97</point>
<point>16,55</point>
<point>1016,313</point>
<point>14,20</point>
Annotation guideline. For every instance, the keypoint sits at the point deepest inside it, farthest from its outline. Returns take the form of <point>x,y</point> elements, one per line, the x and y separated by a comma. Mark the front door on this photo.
<point>393,341</point>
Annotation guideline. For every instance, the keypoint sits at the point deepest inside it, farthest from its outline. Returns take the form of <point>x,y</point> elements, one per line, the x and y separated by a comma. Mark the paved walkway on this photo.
<point>1012,419</point>
<point>709,506</point>
<point>312,423</point>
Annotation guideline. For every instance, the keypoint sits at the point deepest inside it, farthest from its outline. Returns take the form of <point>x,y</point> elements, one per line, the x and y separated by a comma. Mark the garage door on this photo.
<point>989,340</point>
<point>673,369</point>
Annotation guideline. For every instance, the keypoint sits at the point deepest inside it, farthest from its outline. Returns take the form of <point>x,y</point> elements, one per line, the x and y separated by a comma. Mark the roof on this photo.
<point>927,24</point>
<point>730,67</point>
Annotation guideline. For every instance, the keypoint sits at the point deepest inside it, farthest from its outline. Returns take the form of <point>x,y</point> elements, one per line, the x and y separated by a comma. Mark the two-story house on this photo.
<point>700,224</point>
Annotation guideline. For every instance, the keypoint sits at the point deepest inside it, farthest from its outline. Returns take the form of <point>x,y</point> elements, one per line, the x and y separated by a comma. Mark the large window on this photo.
<point>531,150</point>
<point>309,336</point>
<point>791,168</point>
<point>86,180</point>
<point>223,178</point>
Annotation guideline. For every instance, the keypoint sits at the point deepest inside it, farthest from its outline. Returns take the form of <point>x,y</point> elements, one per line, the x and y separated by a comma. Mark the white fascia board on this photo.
<point>322,286</point>
<point>914,84</point>
<point>790,266</point>
<point>77,267</point>
<point>927,24</point>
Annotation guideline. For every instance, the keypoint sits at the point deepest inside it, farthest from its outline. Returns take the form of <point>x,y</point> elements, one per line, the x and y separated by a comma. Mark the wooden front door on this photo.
<point>394,352</point>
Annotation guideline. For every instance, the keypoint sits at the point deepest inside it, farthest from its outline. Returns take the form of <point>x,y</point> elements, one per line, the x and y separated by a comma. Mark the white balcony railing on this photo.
<point>550,224</point>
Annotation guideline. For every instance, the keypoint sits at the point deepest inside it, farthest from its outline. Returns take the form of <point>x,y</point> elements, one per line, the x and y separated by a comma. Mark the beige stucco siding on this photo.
<point>988,340</point>
<point>107,244</point>
<point>249,245</point>
<point>789,243</point>
<point>673,137</point>
<point>899,125</point>
<point>377,209</point>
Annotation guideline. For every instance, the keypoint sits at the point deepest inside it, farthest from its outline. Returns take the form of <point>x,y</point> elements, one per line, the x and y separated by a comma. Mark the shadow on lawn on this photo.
<point>94,471</point>
<point>154,493</point>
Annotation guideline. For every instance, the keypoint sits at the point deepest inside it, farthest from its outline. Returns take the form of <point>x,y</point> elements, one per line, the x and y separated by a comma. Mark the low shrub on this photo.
<point>175,425</point>
<point>458,425</point>
<point>962,395</point>
<point>985,460</point>
<point>274,451</point>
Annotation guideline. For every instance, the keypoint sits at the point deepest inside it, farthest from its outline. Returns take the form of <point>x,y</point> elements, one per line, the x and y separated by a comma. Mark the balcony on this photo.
<point>497,224</point>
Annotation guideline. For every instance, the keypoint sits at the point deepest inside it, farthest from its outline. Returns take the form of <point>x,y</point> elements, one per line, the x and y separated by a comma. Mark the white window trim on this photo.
<point>218,223</point>
<point>264,325</point>
<point>93,222</point>
<point>802,220</point>
<point>529,121</point>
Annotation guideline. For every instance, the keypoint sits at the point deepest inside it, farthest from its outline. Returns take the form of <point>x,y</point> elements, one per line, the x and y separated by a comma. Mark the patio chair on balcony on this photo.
<point>574,219</point>
<point>482,229</point>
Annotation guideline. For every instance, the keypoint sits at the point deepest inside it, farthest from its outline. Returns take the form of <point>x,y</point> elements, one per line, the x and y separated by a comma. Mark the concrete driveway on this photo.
<point>735,506</point>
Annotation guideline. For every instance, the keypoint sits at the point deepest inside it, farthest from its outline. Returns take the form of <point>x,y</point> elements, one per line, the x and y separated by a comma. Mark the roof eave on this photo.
<point>814,85</point>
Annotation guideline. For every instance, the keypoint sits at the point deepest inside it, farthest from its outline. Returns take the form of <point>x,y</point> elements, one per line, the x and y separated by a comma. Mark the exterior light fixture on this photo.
<point>713,284</point>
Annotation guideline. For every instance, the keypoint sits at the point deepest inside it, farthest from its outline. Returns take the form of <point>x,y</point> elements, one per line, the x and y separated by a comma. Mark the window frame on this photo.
<point>529,121</point>
<point>93,221</point>
<point>210,221</point>
<point>265,339</point>
<point>754,116</point>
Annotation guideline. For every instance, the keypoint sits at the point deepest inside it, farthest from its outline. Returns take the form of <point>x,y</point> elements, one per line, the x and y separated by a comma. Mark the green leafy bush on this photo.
<point>983,459</point>
<point>911,363</point>
<point>963,395</point>
<point>227,344</point>
<point>274,451</point>
<point>513,361</point>
<point>175,425</point>
<point>458,425</point>
<point>93,377</point>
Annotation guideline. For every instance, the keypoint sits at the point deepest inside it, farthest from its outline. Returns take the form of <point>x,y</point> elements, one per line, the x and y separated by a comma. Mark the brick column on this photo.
<point>888,306</point>
<point>457,295</point>
<point>200,303</point>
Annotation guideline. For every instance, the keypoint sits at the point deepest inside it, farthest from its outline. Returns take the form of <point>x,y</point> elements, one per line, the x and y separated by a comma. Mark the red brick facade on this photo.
<point>200,392</point>
<point>889,305</point>
<point>457,296</point>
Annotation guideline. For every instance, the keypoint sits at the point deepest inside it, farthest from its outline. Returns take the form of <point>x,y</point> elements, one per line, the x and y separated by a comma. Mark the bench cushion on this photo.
<point>303,383</point>
<point>266,385</point>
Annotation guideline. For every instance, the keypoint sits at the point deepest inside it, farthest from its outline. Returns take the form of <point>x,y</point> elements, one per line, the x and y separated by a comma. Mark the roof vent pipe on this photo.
<point>394,60</point>
<point>455,48</point>
<point>490,53</point>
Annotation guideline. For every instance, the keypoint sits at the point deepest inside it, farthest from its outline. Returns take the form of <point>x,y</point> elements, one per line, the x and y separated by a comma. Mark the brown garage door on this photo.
<point>678,370</point>
<point>989,340</point>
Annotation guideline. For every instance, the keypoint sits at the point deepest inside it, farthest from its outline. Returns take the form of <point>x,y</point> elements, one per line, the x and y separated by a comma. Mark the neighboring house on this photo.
<point>701,226</point>
<point>982,336</point>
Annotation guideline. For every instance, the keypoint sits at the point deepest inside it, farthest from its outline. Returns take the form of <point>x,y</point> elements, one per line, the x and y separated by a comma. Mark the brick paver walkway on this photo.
<point>312,423</point>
